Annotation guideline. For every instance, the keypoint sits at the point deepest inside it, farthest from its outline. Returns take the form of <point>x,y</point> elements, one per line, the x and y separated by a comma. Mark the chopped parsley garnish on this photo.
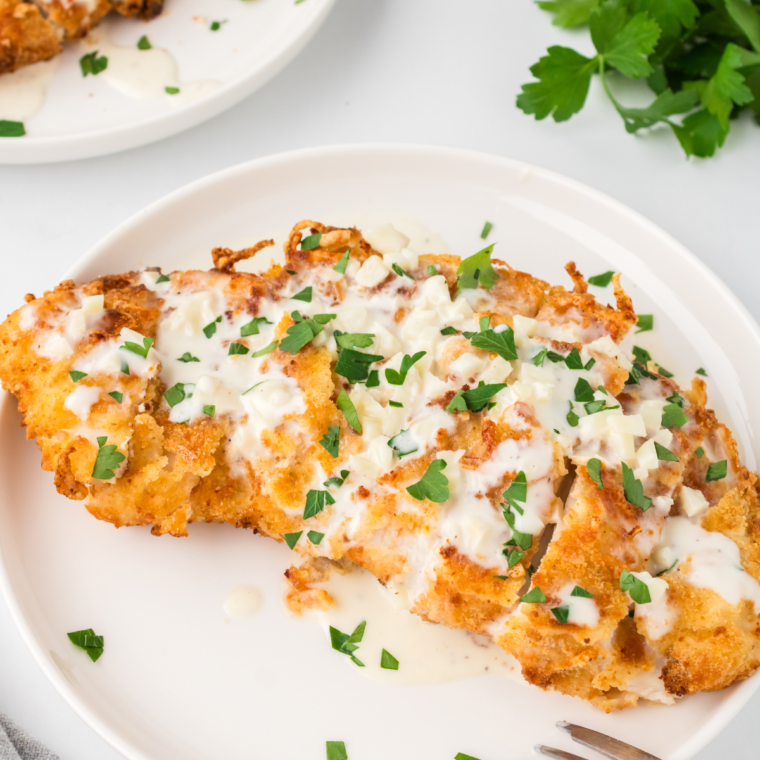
<point>477,398</point>
<point>581,592</point>
<point>462,756</point>
<point>311,242</point>
<point>562,614</point>
<point>144,43</point>
<point>315,537</point>
<point>645,323</point>
<point>513,556</point>
<point>344,403</point>
<point>667,569</point>
<point>88,641</point>
<point>534,596</point>
<point>264,351</point>
<point>700,452</point>
<point>583,391</point>
<point>303,331</point>
<point>175,394</point>
<point>545,353</point>
<point>316,501</point>
<point>171,90</point>
<point>388,661</point>
<point>373,380</point>
<point>662,371</point>
<point>237,348</point>
<point>331,441</point>
<point>340,267</point>
<point>401,272</point>
<point>124,367</point>
<point>107,460</point>
<point>573,361</point>
<point>162,278</point>
<point>291,271</point>
<point>594,469</point>
<point>397,404</point>
<point>117,395</point>
<point>641,355</point>
<point>701,371</point>
<point>12,128</point>
<point>457,403</point>
<point>335,750</point>
<point>519,539</point>
<point>675,398</point>
<point>484,323</point>
<point>663,454</point>
<point>402,443</point>
<point>252,327</point>
<point>487,227</point>
<point>673,416</point>
<point>187,357</point>
<point>449,331</point>
<point>136,348</point>
<point>431,270</point>
<point>601,280</point>
<point>291,539</point>
<point>517,492</point>
<point>572,417</point>
<point>348,644</point>
<point>353,340</point>
<point>636,588</point>
<point>210,329</point>
<point>434,484</point>
<point>398,377</point>
<point>501,343</point>
<point>477,269</point>
<point>209,410</point>
<point>217,25</point>
<point>354,365</point>
<point>304,295</point>
<point>634,490</point>
<point>337,482</point>
<point>91,64</point>
<point>76,376</point>
<point>717,471</point>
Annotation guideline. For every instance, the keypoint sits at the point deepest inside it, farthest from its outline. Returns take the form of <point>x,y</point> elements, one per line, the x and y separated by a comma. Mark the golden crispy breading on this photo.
<point>464,558</point>
<point>25,36</point>
<point>73,20</point>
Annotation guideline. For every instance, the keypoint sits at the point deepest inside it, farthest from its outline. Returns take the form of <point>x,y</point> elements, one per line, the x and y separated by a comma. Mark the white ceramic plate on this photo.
<point>177,679</point>
<point>85,117</point>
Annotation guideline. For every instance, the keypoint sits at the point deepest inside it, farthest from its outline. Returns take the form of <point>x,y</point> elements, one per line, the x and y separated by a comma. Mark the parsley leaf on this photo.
<point>403,443</point>
<point>298,335</point>
<point>175,394</point>
<point>252,327</point>
<point>594,469</point>
<point>354,365</point>
<point>91,64</point>
<point>76,375</point>
<point>501,343</point>
<point>340,267</point>
<point>331,441</point>
<point>144,43</point>
<point>569,13</point>
<point>210,329</point>
<point>634,490</point>
<point>187,357</point>
<point>264,351</point>
<point>388,661</point>
<point>336,481</point>
<point>534,596</point>
<point>316,502</point>
<point>513,556</point>
<point>291,539</point>
<point>636,588</point>
<point>487,227</point>
<point>701,371</point>
<point>304,295</point>
<point>335,750</point>
<point>434,484</point>
<point>136,348</point>
<point>601,280</point>
<point>315,537</point>
<point>107,460</point>
<point>237,348</point>
<point>353,340</point>
<point>645,323</point>
<point>581,592</point>
<point>717,471</point>
<point>88,641</point>
<point>477,269</point>
<point>449,331</point>
<point>117,396</point>
<point>663,454</point>
<point>401,272</point>
<point>457,403</point>
<point>673,416</point>
<point>398,377</point>
<point>311,242</point>
<point>11,128</point>
<point>562,614</point>
<point>344,403</point>
<point>583,390</point>
<point>700,452</point>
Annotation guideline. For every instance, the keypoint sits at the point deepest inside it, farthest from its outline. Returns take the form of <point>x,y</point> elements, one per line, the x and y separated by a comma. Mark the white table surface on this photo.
<point>416,71</point>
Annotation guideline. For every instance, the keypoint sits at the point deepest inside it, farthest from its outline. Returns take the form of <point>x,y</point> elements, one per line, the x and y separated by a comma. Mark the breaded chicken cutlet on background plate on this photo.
<point>507,453</point>
<point>78,80</point>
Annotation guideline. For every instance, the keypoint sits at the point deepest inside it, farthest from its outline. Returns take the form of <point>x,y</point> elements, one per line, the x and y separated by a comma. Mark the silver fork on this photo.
<point>606,745</point>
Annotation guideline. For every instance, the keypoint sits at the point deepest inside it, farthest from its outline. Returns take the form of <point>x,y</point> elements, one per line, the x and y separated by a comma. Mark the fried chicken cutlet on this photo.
<point>433,419</point>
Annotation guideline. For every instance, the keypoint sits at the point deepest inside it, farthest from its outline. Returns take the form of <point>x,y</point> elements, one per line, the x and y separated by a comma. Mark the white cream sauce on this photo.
<point>144,74</point>
<point>711,559</point>
<point>243,601</point>
<point>23,93</point>
<point>427,653</point>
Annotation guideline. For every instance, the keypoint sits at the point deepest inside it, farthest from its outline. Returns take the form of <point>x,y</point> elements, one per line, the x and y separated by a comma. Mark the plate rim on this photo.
<point>118,138</point>
<point>739,694</point>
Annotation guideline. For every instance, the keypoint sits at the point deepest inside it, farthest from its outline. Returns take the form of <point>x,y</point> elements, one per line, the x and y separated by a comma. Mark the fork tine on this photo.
<point>606,745</point>
<point>557,754</point>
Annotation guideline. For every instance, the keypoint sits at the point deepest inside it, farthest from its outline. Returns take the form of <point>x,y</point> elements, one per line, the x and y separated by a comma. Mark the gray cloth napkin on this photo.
<point>16,744</point>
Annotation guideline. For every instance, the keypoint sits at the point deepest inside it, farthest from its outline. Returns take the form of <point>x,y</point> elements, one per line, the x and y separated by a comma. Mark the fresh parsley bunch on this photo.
<point>701,58</point>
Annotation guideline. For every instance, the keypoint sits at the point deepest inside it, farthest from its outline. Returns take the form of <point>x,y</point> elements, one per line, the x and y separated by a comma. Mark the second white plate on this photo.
<point>180,680</point>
